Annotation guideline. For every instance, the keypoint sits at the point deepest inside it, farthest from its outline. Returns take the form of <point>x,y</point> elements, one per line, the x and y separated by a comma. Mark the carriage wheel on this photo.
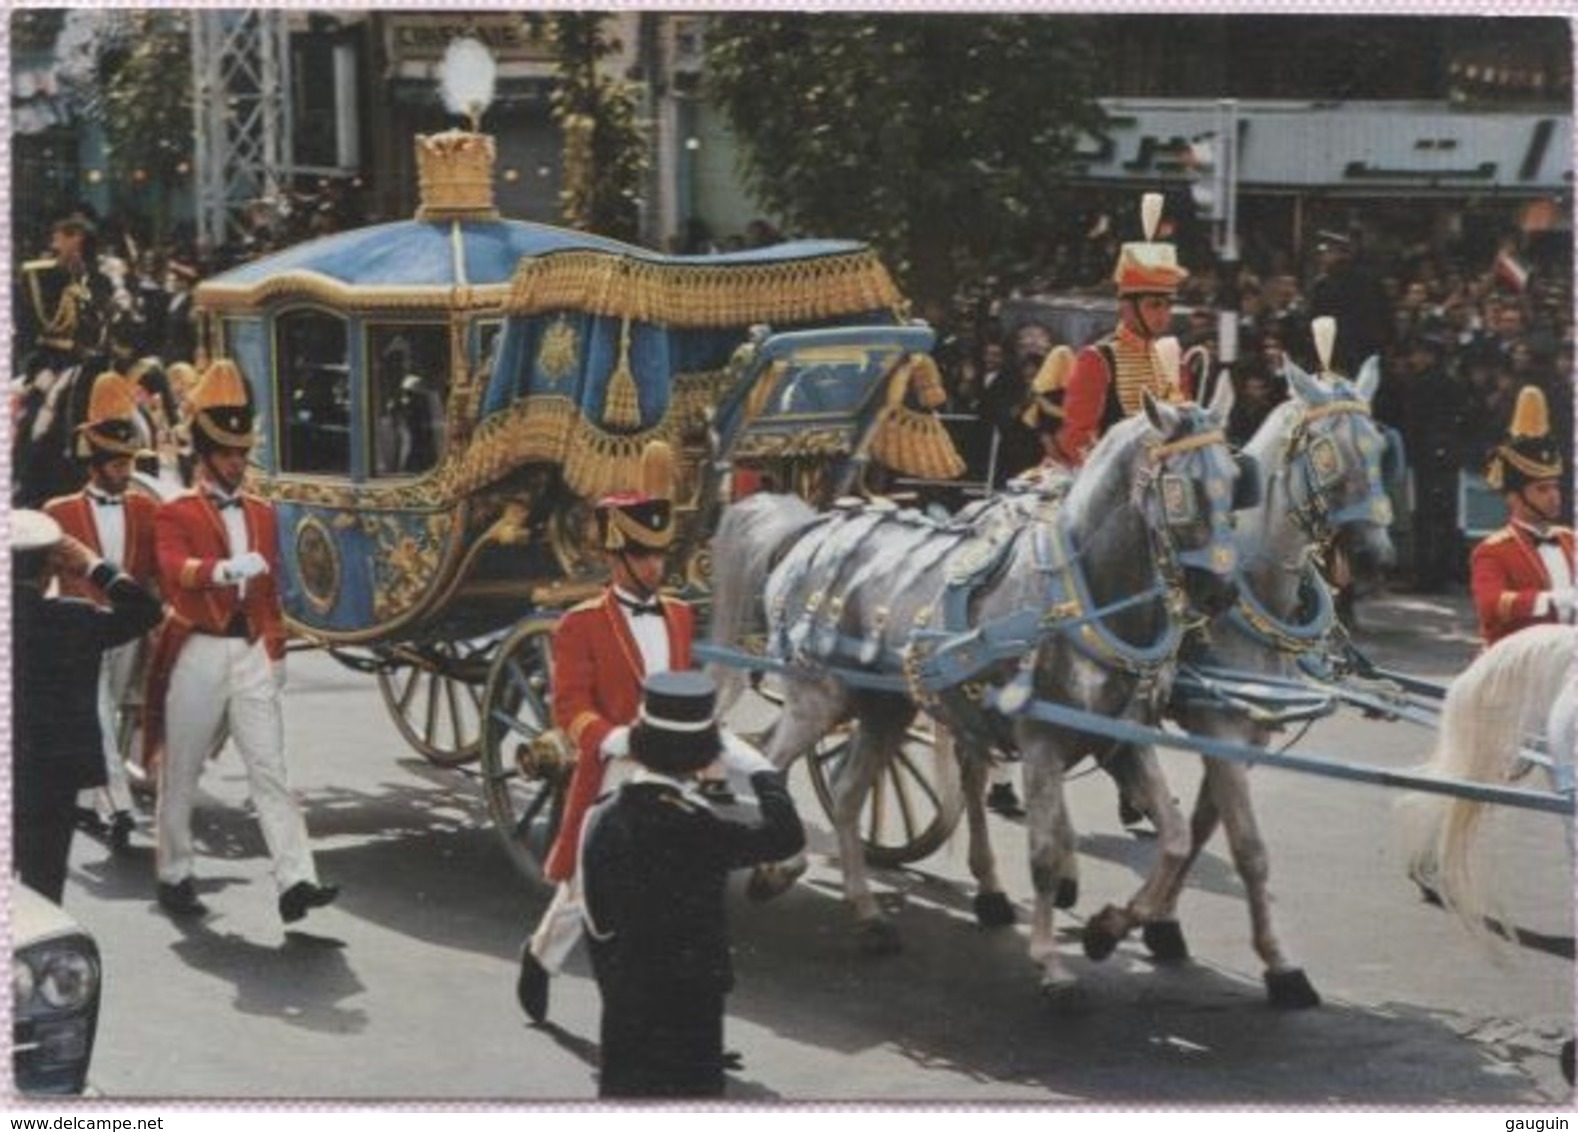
<point>433,693</point>
<point>913,806</point>
<point>525,763</point>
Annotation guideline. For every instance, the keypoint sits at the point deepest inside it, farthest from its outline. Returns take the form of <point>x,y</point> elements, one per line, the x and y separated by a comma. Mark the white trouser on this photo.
<point>220,686</point>
<point>561,926</point>
<point>118,669</point>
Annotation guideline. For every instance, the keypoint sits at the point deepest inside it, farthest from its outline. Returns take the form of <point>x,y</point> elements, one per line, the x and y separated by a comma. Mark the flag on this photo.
<point>1511,272</point>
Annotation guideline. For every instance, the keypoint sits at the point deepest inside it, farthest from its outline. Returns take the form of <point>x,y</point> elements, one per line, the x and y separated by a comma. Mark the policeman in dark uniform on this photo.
<point>63,332</point>
<point>57,642</point>
<point>654,862</point>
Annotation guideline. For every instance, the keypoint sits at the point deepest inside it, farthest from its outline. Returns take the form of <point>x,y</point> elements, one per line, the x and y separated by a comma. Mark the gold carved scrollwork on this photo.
<point>407,554</point>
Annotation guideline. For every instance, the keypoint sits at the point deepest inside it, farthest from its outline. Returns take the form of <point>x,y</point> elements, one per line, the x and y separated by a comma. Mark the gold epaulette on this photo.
<point>36,265</point>
<point>1500,536</point>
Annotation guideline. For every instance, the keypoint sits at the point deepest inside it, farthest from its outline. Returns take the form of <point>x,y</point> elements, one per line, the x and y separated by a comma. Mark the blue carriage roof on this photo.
<point>477,253</point>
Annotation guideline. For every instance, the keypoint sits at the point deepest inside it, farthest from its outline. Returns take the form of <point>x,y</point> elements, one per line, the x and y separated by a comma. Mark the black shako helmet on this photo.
<point>676,732</point>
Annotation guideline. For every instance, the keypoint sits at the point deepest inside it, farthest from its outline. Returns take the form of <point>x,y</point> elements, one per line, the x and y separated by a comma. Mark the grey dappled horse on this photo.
<point>1080,601</point>
<point>1321,454</point>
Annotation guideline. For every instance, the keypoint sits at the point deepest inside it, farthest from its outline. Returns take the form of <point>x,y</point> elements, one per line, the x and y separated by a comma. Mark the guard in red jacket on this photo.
<point>219,665</point>
<point>602,650</point>
<point>116,525</point>
<point>1523,574</point>
<point>1109,375</point>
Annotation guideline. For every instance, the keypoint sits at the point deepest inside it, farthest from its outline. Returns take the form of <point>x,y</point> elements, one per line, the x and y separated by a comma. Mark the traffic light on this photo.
<point>1204,176</point>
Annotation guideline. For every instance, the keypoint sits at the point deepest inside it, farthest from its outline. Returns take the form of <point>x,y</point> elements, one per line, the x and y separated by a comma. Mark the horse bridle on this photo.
<point>1181,511</point>
<point>1317,468</point>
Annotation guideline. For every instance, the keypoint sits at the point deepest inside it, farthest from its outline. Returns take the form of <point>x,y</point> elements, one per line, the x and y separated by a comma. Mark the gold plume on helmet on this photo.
<point>1529,452</point>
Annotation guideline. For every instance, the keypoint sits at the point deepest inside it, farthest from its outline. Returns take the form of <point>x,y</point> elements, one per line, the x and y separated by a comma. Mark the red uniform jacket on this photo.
<point>1093,403</point>
<point>1507,577</point>
<point>74,513</point>
<point>191,541</point>
<point>597,674</point>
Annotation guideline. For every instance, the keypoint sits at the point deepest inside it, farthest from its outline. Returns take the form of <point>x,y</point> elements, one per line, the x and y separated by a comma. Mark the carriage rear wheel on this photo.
<point>526,763</point>
<point>434,694</point>
<point>914,805</point>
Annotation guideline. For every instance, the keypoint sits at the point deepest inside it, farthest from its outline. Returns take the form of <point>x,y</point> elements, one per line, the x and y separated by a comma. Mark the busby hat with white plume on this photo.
<point>1148,268</point>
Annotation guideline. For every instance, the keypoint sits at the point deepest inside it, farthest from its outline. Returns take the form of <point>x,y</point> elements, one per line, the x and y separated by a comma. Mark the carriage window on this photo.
<point>314,393</point>
<point>409,390</point>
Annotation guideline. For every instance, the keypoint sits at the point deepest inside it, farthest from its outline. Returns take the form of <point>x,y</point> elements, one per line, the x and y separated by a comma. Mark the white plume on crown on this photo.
<point>468,74</point>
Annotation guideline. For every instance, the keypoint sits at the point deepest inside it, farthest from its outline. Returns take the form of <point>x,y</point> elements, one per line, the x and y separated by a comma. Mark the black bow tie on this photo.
<point>640,608</point>
<point>105,500</point>
<point>1545,540</point>
<point>224,504</point>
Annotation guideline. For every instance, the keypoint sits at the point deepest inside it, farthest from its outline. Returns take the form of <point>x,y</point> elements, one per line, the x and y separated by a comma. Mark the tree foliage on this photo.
<point>942,138</point>
<point>604,150</point>
<point>148,100</point>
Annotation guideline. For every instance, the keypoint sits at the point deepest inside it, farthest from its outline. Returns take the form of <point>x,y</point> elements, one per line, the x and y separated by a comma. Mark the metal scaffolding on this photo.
<point>242,115</point>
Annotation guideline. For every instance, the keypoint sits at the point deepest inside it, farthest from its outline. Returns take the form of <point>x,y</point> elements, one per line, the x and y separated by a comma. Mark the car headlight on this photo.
<point>62,977</point>
<point>68,979</point>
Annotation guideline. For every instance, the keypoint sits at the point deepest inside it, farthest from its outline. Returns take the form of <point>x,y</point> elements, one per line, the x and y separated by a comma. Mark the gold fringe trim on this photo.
<point>622,402</point>
<point>704,295</point>
<point>349,298</point>
<point>916,444</point>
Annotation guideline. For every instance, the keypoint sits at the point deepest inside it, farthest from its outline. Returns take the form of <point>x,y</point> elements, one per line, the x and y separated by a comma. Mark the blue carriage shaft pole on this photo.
<point>1130,732</point>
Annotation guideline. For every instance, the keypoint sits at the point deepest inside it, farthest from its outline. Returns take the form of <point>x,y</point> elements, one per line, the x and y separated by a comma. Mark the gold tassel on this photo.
<point>622,403</point>
<point>916,444</point>
<point>926,380</point>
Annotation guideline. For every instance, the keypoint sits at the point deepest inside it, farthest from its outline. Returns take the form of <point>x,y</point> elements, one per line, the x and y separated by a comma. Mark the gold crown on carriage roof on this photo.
<point>455,176</point>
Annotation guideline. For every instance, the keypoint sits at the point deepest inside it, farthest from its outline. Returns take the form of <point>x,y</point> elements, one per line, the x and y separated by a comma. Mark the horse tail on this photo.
<point>750,536</point>
<point>1504,697</point>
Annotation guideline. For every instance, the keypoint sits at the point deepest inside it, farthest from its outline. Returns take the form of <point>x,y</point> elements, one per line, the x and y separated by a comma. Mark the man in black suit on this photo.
<point>654,862</point>
<point>56,642</point>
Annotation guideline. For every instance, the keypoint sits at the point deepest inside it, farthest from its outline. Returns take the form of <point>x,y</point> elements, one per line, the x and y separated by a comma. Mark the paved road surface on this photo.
<point>403,990</point>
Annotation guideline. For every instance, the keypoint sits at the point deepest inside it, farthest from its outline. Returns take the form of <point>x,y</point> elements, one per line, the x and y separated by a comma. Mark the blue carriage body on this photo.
<point>544,360</point>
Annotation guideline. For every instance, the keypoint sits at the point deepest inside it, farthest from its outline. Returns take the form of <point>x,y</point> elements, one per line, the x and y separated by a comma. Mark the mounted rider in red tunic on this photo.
<point>1110,375</point>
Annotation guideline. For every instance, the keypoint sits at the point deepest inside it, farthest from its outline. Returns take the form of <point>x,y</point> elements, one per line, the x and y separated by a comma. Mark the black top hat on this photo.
<point>677,730</point>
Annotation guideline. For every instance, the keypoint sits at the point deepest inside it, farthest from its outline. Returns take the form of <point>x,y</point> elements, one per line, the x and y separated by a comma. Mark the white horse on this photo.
<point>1523,687</point>
<point>1079,603</point>
<point>1321,455</point>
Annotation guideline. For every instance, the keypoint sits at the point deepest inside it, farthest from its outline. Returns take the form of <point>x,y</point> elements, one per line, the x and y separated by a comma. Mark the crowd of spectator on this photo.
<point>1457,337</point>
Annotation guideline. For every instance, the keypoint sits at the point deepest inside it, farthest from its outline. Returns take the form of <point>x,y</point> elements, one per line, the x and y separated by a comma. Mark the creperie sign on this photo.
<point>427,36</point>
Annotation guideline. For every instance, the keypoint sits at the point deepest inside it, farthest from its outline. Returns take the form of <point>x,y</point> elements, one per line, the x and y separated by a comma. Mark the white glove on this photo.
<point>1560,602</point>
<point>740,757</point>
<point>241,567</point>
<point>616,744</point>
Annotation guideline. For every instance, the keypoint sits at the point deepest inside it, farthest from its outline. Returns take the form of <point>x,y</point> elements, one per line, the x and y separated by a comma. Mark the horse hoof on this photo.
<point>1291,990</point>
<point>1101,935</point>
<point>1067,894</point>
<point>993,910</point>
<point>770,881</point>
<point>878,938</point>
<point>1165,941</point>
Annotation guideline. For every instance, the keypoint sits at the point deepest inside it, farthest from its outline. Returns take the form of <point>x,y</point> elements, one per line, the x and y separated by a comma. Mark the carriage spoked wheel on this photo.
<point>526,763</point>
<point>915,803</point>
<point>434,694</point>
